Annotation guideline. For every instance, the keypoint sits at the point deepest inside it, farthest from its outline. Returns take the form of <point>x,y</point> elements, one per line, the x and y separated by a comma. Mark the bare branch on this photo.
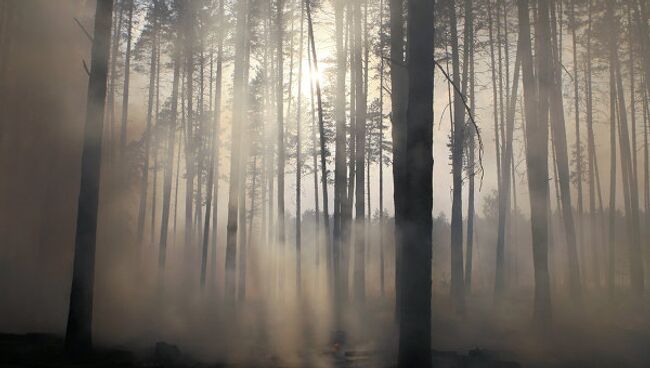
<point>83,29</point>
<point>471,118</point>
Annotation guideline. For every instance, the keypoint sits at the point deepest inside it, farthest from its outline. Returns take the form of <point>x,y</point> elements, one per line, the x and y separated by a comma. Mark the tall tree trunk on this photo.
<point>169,163</point>
<point>578,160</point>
<point>188,25</point>
<point>382,276</point>
<point>314,158</point>
<point>558,131</point>
<point>298,154</point>
<point>280,118</point>
<point>629,178</point>
<point>144,183</point>
<point>471,147</point>
<point>495,108</point>
<point>243,241</point>
<point>321,129</point>
<point>217,130</point>
<point>506,167</point>
<point>339,158</point>
<point>536,109</point>
<point>235,156</point>
<point>360,151</point>
<point>399,98</point>
<point>115,48</point>
<point>612,182</point>
<point>458,137</point>
<point>415,309</point>
<point>127,79</point>
<point>595,218</point>
<point>78,338</point>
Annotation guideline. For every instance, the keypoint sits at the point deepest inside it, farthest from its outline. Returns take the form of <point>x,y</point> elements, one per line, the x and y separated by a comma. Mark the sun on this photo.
<point>309,76</point>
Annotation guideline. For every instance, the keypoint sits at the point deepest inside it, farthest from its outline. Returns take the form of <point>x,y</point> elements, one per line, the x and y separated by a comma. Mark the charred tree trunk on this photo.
<point>415,308</point>
<point>78,338</point>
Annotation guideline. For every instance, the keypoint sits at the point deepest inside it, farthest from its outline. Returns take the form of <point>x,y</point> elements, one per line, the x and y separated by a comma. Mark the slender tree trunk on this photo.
<point>321,129</point>
<point>471,146</point>
<point>339,159</point>
<point>243,241</point>
<point>188,25</point>
<point>235,156</point>
<point>144,183</point>
<point>458,137</point>
<point>127,78</point>
<point>360,151</point>
<point>536,109</point>
<point>115,48</point>
<point>217,130</point>
<point>629,177</point>
<point>506,166</point>
<point>314,158</point>
<point>558,131</point>
<point>495,108</point>
<point>280,118</point>
<point>78,338</point>
<point>169,164</point>
<point>382,276</point>
<point>612,182</point>
<point>595,239</point>
<point>299,155</point>
<point>578,160</point>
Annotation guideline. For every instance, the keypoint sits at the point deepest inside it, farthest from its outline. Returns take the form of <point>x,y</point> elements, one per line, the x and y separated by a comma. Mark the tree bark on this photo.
<point>416,238</point>
<point>78,338</point>
<point>127,79</point>
<point>536,109</point>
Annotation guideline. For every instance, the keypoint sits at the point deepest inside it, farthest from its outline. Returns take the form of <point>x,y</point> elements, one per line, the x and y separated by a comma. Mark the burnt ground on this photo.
<point>46,350</point>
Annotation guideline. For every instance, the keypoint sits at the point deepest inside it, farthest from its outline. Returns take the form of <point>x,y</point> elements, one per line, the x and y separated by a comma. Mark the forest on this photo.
<point>324,183</point>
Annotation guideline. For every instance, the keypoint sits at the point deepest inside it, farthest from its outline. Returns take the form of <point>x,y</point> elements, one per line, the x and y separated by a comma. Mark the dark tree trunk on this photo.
<point>471,146</point>
<point>399,98</point>
<point>458,137</point>
<point>382,282</point>
<point>322,138</point>
<point>416,238</point>
<point>536,109</point>
<point>127,79</point>
<point>339,159</point>
<point>78,338</point>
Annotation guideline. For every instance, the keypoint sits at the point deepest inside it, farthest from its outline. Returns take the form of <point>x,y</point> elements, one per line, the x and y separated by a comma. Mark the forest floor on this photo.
<point>592,332</point>
<point>46,350</point>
